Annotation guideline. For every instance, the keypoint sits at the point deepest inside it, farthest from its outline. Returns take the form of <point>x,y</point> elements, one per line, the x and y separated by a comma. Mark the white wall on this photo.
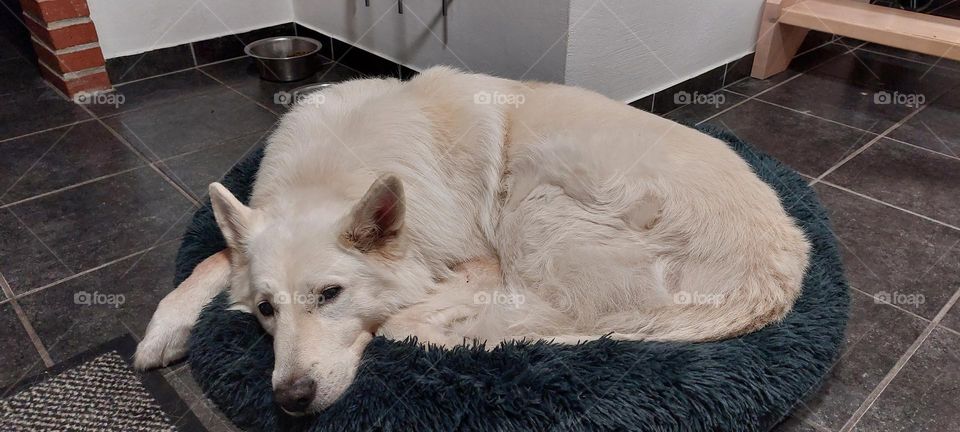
<point>511,38</point>
<point>134,26</point>
<point>627,49</point>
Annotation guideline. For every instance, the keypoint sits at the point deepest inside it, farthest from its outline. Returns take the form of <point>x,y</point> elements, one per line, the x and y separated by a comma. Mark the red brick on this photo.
<point>89,83</point>
<point>49,11</point>
<point>64,37</point>
<point>70,62</point>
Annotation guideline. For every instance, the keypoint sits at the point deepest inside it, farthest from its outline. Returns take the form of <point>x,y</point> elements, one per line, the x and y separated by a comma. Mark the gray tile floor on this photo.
<point>93,199</point>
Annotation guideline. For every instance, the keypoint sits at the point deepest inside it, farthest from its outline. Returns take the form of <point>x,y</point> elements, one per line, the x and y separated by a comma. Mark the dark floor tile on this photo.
<point>21,112</point>
<point>198,169</point>
<point>105,220</point>
<point>952,319</point>
<point>9,50</point>
<point>231,46</point>
<point>794,424</point>
<point>327,50</point>
<point>704,107</point>
<point>182,381</point>
<point>14,37</point>
<point>407,73</point>
<point>190,124</point>
<point>800,64</point>
<point>24,260</point>
<point>937,127</point>
<point>738,69</point>
<point>947,9</point>
<point>645,103</point>
<point>155,91</point>
<point>150,63</point>
<point>912,56</point>
<point>898,257</point>
<point>47,161</point>
<point>241,75</point>
<point>693,90</point>
<point>814,40</point>
<point>924,396</point>
<point>18,356</point>
<point>807,144</point>
<point>877,335</point>
<point>908,177</point>
<point>864,90</point>
<point>96,307</point>
<point>19,75</point>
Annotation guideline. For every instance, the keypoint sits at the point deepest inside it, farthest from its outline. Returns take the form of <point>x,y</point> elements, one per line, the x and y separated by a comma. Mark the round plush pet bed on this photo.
<point>747,383</point>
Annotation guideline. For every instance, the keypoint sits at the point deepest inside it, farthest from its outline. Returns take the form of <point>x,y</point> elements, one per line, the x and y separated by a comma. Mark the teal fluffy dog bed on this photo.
<point>747,383</point>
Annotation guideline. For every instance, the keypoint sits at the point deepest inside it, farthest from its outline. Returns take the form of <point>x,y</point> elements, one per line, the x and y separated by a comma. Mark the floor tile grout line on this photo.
<point>815,425</point>
<point>936,65</point>
<point>25,322</point>
<point>202,399</point>
<point>876,139</point>
<point>748,98</point>
<point>899,365</point>
<point>115,114</point>
<point>764,91</point>
<point>261,105</point>
<point>4,204</point>
<point>813,115</point>
<point>4,140</point>
<point>92,269</point>
<point>900,141</point>
<point>878,201</point>
<point>43,243</point>
<point>121,85</point>
<point>149,163</point>
<point>907,311</point>
<point>877,300</point>
<point>69,187</point>
<point>35,162</point>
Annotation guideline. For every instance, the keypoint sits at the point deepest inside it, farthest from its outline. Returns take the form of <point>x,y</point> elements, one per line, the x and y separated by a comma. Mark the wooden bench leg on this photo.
<point>777,43</point>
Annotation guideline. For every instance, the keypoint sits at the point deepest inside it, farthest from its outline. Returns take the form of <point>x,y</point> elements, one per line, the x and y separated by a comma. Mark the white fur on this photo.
<point>567,216</point>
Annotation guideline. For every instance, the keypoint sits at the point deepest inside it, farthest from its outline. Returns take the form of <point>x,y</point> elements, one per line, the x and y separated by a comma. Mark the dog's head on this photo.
<point>320,278</point>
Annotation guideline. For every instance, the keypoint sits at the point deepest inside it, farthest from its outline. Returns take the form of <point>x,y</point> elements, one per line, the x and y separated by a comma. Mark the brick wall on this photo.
<point>66,44</point>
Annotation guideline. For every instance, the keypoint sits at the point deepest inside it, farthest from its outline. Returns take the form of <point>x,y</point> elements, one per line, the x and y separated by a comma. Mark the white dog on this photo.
<point>459,206</point>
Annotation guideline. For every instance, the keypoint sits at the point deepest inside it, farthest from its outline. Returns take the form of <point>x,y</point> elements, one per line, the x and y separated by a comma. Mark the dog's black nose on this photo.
<point>295,395</point>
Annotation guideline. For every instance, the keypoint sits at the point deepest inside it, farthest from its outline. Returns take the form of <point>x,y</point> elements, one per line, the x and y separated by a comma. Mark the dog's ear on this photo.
<point>232,216</point>
<point>376,221</point>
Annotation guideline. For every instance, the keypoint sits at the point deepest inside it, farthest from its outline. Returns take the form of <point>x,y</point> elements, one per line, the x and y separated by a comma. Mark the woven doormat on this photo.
<point>97,391</point>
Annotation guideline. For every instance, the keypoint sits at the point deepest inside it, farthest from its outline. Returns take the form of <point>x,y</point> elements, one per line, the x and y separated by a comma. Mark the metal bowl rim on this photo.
<point>249,48</point>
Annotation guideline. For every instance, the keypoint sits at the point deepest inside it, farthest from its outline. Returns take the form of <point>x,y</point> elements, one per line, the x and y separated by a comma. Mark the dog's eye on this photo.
<point>265,308</point>
<point>329,293</point>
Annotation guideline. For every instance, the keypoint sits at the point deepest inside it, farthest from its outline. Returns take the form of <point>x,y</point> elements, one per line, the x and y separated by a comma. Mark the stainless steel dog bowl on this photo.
<point>285,58</point>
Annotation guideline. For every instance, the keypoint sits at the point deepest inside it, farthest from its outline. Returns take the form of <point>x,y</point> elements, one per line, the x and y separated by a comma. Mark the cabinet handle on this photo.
<point>366,3</point>
<point>443,7</point>
<point>400,7</point>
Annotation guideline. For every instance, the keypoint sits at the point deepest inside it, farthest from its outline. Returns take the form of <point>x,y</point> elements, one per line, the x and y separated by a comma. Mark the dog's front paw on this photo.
<point>164,343</point>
